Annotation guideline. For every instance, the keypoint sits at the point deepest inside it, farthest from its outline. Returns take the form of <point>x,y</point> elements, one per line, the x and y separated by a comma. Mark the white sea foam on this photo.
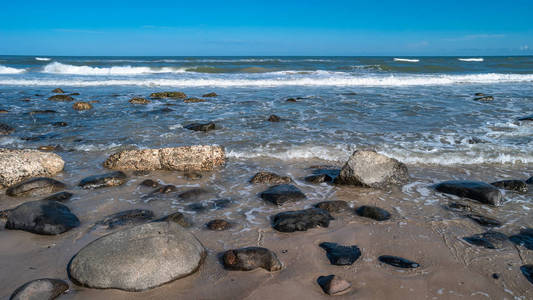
<point>43,59</point>
<point>471,59</point>
<point>406,59</point>
<point>9,70</point>
<point>59,68</point>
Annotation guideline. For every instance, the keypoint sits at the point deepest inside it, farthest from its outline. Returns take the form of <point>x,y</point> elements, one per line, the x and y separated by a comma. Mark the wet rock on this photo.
<point>340,255</point>
<point>41,137</point>
<point>301,220</point>
<point>524,238</point>
<point>82,106</point>
<point>187,158</point>
<point>193,193</point>
<point>17,165</point>
<point>458,207</point>
<point>42,217</point>
<point>141,173</point>
<point>489,239</point>
<point>161,111</point>
<point>319,178</point>
<point>530,180</point>
<point>61,98</point>
<point>192,176</point>
<point>484,98</point>
<point>103,180</point>
<point>475,190</point>
<point>198,207</point>
<point>512,185</point>
<point>74,94</point>
<point>333,285</point>
<point>194,100</point>
<point>138,258</point>
<point>173,95</point>
<point>49,148</point>
<point>221,203</point>
<point>35,187</point>
<point>373,212</point>
<point>484,221</point>
<point>291,100</point>
<point>127,217</point>
<point>495,275</point>
<point>251,258</point>
<point>138,100</point>
<point>3,111</point>
<point>40,289</point>
<point>527,270</point>
<point>6,129</point>
<point>270,178</point>
<point>60,124</point>
<point>150,183</point>
<point>208,95</point>
<point>59,197</point>
<point>371,169</point>
<point>177,218</point>
<point>218,224</point>
<point>273,118</point>
<point>46,111</point>
<point>281,193</point>
<point>336,206</point>
<point>162,190</point>
<point>58,91</point>
<point>479,94</point>
<point>201,126</point>
<point>526,118</point>
<point>399,262</point>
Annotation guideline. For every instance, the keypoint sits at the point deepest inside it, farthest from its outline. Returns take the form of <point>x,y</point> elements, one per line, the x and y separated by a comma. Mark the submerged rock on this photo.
<point>60,124</point>
<point>187,158</point>
<point>251,258</point>
<point>138,258</point>
<point>58,91</point>
<point>484,221</point>
<point>59,197</point>
<point>139,100</point>
<point>484,98</point>
<point>333,285</point>
<point>42,217</point>
<point>40,289</point>
<point>127,217</point>
<point>208,95</point>
<point>194,100</point>
<point>526,118</point>
<point>527,270</point>
<point>35,187</point>
<point>373,212</point>
<point>273,118</point>
<point>17,165</point>
<point>162,190</point>
<point>336,206</point>
<point>173,95</point>
<point>150,183</point>
<point>270,178</point>
<point>193,193</point>
<point>512,185</point>
<point>458,207</point>
<point>218,224</point>
<point>41,112</point>
<point>177,218</point>
<point>489,239</point>
<point>192,176</point>
<point>530,180</point>
<point>201,126</point>
<point>479,94</point>
<point>524,238</point>
<point>399,262</point>
<point>103,180</point>
<point>475,190</point>
<point>6,129</point>
<point>301,220</point>
<point>61,98</point>
<point>370,169</point>
<point>82,106</point>
<point>318,178</point>
<point>340,255</point>
<point>281,193</point>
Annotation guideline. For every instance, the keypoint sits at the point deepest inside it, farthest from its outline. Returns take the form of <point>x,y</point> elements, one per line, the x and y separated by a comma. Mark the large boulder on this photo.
<point>39,186</point>
<point>17,165</point>
<point>40,289</point>
<point>475,190</point>
<point>186,158</point>
<point>367,168</point>
<point>138,258</point>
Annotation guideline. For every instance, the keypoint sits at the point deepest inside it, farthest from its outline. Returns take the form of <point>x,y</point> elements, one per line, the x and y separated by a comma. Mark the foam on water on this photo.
<point>59,68</point>
<point>9,70</point>
<point>471,59</point>
<point>43,59</point>
<point>406,59</point>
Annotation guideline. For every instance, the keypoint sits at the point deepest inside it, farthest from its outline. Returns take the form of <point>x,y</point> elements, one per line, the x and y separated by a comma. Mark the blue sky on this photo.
<point>266,27</point>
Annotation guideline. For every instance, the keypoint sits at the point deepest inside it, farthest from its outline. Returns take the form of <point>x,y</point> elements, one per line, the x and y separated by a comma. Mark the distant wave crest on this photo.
<point>471,59</point>
<point>59,68</point>
<point>43,59</point>
<point>407,60</point>
<point>9,70</point>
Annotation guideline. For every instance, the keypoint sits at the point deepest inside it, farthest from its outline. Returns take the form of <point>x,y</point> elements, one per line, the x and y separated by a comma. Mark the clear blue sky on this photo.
<point>266,27</point>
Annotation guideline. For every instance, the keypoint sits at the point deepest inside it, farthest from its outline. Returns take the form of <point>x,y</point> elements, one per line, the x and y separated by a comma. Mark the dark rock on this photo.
<point>177,218</point>
<point>218,224</point>
<point>150,183</point>
<point>35,187</point>
<point>484,98</point>
<point>340,255</point>
<point>221,203</point>
<point>489,239</point>
<point>495,275</point>
<point>333,284</point>
<point>201,127</point>
<point>192,176</point>
<point>251,258</point>
<point>42,217</point>
<point>208,95</point>
<point>512,185</point>
<point>273,118</point>
<point>74,94</point>
<point>398,262</point>
<point>301,220</point>
<point>373,212</point>
<point>40,289</point>
<point>59,197</point>
<point>530,180</point>
<point>61,98</point>
<point>194,100</point>
<point>46,111</point>
<point>82,105</point>
<point>58,91</point>
<point>479,94</point>
<point>60,124</point>
<point>198,207</point>
<point>193,193</point>
<point>291,100</point>
<point>161,111</point>
<point>270,178</point>
<point>281,193</point>
<point>319,178</point>
<point>526,118</point>
<point>138,100</point>
<point>6,129</point>
<point>524,238</point>
<point>475,190</point>
<point>484,221</point>
<point>459,207</point>
<point>141,172</point>
<point>336,206</point>
<point>41,137</point>
<point>173,95</point>
<point>127,217</point>
<point>527,270</point>
<point>166,189</point>
<point>104,180</point>
<point>3,111</point>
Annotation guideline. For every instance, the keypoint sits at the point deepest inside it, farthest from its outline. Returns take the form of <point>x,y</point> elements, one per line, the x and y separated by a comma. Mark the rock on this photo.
<point>458,207</point>
<point>173,95</point>
<point>484,98</point>
<point>495,275</point>
<point>82,106</point>
<point>49,148</point>
<point>58,91</point>
<point>273,118</point>
<point>194,100</point>
<point>162,190</point>
<point>42,217</point>
<point>398,262</point>
<point>479,94</point>
<point>61,98</point>
<point>524,238</point>
<point>270,178</point>
<point>484,221</point>
<point>530,180</point>
<point>138,100</point>
<point>127,217</point>
<point>35,187</point>
<point>150,183</point>
<point>291,100</point>
<point>104,180</point>
<point>333,285</point>
<point>208,95</point>
<point>371,169</point>
<point>526,118</point>
<point>512,185</point>
<point>46,111</point>
<point>161,111</point>
<point>3,111</point>
<point>201,127</point>
<point>6,129</point>
<point>251,258</point>
<point>198,207</point>
<point>76,94</point>
<point>475,190</point>
<point>177,218</point>
<point>218,224</point>
<point>193,193</point>
<point>40,289</point>
<point>489,239</point>
<point>527,270</point>
<point>17,165</point>
<point>192,176</point>
<point>59,197</point>
<point>301,220</point>
<point>281,193</point>
<point>340,255</point>
<point>336,206</point>
<point>319,178</point>
<point>187,158</point>
<point>141,173</point>
<point>373,212</point>
<point>60,124</point>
